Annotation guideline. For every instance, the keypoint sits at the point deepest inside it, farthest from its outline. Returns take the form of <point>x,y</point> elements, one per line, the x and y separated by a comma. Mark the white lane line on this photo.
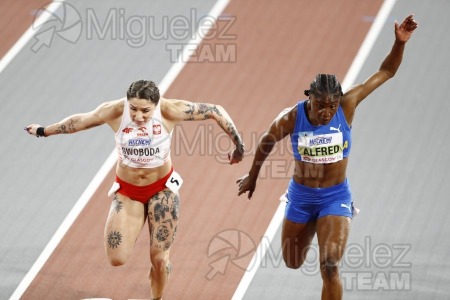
<point>349,79</point>
<point>260,252</point>
<point>168,79</point>
<point>368,43</point>
<point>28,35</point>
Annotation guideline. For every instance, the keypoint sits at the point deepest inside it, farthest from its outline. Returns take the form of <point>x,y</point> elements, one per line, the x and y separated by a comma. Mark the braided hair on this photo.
<point>325,85</point>
<point>144,89</point>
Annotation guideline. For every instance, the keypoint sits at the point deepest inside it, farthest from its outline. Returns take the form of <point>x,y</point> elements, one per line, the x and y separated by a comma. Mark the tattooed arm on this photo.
<point>181,110</point>
<point>104,113</point>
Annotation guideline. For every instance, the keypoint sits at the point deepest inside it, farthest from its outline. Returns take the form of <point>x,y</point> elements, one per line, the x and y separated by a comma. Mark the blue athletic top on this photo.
<point>320,144</point>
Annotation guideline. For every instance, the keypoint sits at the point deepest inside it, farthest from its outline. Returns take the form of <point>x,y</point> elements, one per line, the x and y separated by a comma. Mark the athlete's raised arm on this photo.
<point>388,67</point>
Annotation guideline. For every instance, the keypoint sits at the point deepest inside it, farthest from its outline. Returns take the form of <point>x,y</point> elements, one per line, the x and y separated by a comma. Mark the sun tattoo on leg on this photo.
<point>118,205</point>
<point>114,239</point>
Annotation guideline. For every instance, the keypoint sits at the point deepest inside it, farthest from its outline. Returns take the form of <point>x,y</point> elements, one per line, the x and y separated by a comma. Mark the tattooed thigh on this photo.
<point>163,213</point>
<point>116,204</point>
<point>114,239</point>
<point>123,225</point>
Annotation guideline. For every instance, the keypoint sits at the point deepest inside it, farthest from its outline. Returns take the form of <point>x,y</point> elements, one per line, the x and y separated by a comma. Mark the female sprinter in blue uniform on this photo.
<point>318,196</point>
<point>146,186</point>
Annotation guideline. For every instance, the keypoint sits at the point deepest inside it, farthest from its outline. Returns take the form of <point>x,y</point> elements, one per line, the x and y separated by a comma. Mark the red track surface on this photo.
<point>15,18</point>
<point>281,45</point>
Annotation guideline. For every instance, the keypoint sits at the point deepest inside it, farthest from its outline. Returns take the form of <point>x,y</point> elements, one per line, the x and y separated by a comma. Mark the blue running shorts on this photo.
<point>306,204</point>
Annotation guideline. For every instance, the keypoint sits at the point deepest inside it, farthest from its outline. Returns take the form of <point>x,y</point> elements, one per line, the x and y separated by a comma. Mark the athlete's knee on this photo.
<point>116,260</point>
<point>330,256</point>
<point>329,268</point>
<point>294,255</point>
<point>117,257</point>
<point>292,265</point>
<point>159,259</point>
<point>293,260</point>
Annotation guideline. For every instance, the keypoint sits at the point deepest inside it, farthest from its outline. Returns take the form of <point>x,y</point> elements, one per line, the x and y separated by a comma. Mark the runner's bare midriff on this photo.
<point>142,176</point>
<point>320,175</point>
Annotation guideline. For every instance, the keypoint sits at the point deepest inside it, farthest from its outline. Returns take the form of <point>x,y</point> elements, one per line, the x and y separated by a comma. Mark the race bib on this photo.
<point>174,182</point>
<point>326,148</point>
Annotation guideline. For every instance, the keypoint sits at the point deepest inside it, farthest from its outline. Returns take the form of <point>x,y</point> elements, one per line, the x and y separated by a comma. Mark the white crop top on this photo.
<point>146,146</point>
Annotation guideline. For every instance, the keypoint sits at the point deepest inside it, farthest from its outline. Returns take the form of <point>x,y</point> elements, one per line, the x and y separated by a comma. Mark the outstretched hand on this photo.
<point>236,156</point>
<point>404,31</point>
<point>32,128</point>
<point>246,184</point>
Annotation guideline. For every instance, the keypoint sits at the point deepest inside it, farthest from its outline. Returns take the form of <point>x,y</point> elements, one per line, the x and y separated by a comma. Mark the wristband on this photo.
<point>40,132</point>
